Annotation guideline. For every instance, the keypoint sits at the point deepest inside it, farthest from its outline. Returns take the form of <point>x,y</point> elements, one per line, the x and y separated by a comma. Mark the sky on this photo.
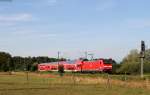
<point>105,28</point>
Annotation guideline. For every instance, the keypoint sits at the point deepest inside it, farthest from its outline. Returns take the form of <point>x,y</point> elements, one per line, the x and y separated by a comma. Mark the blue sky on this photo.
<point>107,28</point>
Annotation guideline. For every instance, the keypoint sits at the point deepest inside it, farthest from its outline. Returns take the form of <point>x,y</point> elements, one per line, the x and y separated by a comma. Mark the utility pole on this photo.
<point>58,55</point>
<point>26,66</point>
<point>9,66</point>
<point>86,55</point>
<point>142,56</point>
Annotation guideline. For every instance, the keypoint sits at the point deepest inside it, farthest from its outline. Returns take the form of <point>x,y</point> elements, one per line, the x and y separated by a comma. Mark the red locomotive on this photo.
<point>99,65</point>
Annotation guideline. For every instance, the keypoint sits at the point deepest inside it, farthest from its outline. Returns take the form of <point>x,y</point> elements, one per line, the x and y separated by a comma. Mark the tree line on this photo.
<point>18,63</point>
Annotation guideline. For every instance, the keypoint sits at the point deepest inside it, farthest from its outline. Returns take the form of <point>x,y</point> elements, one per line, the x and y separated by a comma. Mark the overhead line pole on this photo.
<point>91,56</point>
<point>86,55</point>
<point>58,55</point>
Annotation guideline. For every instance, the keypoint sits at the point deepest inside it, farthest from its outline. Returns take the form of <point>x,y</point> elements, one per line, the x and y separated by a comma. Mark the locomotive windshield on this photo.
<point>107,61</point>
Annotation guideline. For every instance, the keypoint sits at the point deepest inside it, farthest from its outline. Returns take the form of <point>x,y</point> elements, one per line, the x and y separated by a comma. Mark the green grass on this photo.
<point>52,84</point>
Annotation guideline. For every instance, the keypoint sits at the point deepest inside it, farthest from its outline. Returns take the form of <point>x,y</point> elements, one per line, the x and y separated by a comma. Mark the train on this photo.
<point>98,65</point>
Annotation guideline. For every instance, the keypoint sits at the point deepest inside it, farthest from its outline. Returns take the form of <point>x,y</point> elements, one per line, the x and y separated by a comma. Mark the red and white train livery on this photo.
<point>100,65</point>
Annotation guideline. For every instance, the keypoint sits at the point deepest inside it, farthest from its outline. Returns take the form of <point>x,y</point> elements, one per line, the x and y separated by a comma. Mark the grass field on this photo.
<point>72,84</point>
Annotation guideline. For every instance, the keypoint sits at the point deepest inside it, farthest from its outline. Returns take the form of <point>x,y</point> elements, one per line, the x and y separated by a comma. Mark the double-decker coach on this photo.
<point>99,65</point>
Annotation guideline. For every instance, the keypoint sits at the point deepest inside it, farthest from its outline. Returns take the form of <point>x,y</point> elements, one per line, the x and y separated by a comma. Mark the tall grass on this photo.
<point>74,84</point>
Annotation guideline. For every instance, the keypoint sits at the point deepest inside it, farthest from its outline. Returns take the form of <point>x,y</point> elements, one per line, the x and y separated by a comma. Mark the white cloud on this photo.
<point>52,2</point>
<point>15,17</point>
<point>41,3</point>
<point>127,25</point>
<point>30,34</point>
<point>106,4</point>
<point>6,23</point>
<point>138,23</point>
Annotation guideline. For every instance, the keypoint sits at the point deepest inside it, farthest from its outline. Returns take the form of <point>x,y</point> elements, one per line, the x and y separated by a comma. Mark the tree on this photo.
<point>34,67</point>
<point>5,61</point>
<point>115,66</point>
<point>18,63</point>
<point>61,69</point>
<point>131,63</point>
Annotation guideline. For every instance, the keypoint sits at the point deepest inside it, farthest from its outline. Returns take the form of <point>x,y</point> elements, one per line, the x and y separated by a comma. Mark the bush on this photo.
<point>61,69</point>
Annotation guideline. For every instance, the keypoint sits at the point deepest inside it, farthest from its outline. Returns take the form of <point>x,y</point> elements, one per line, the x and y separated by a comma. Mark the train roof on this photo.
<point>61,62</point>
